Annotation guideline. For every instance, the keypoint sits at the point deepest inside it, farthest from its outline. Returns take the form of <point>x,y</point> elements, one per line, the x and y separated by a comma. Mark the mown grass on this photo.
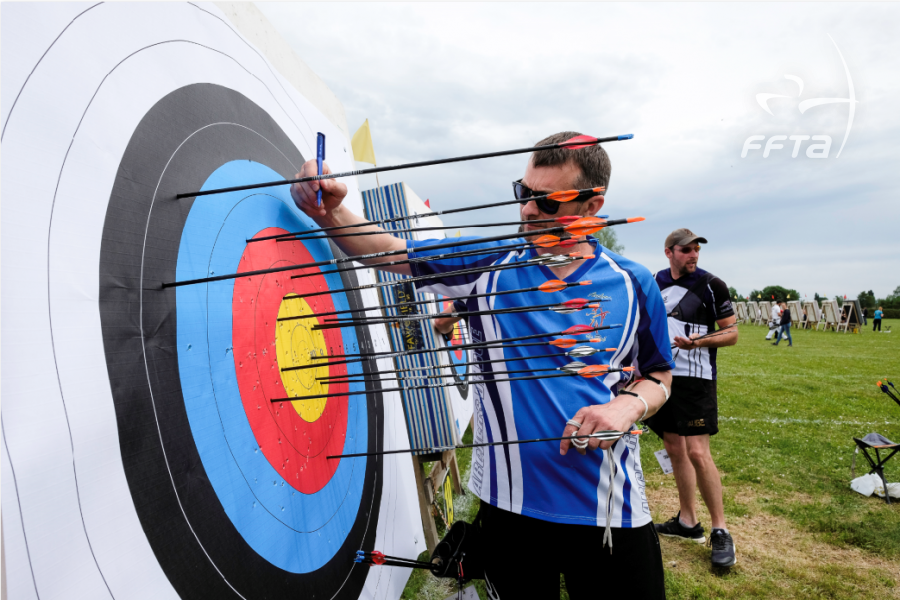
<point>788,416</point>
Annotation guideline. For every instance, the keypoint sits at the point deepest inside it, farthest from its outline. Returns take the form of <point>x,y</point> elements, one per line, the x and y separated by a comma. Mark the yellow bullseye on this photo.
<point>295,343</point>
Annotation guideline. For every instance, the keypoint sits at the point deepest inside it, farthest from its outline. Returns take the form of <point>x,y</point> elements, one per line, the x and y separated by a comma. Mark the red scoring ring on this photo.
<point>294,447</point>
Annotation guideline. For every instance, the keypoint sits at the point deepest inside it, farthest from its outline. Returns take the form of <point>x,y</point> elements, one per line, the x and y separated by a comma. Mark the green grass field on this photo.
<point>787,419</point>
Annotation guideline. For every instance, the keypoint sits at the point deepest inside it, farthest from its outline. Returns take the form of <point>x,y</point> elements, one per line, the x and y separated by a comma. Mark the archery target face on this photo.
<point>458,358</point>
<point>174,473</point>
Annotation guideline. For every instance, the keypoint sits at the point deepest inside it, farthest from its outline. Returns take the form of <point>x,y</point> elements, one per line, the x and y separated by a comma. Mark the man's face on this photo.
<point>683,259</point>
<point>554,179</point>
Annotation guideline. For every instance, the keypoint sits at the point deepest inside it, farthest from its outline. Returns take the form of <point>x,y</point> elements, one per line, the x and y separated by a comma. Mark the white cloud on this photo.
<point>439,80</point>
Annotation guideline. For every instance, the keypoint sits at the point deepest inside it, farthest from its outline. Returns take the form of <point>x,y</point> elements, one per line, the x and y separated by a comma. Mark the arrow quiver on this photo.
<point>459,555</point>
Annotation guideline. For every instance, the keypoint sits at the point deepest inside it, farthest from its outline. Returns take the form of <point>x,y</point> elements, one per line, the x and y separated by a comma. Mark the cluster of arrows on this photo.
<point>560,232</point>
<point>883,386</point>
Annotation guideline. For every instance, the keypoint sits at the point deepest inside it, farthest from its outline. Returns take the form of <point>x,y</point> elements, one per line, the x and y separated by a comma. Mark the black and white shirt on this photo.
<point>693,304</point>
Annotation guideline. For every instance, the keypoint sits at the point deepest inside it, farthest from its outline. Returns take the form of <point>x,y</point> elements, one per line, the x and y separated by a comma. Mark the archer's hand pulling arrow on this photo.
<point>603,436</point>
<point>549,260</point>
<point>579,352</point>
<point>584,226</point>
<point>554,285</point>
<point>581,141</point>
<point>568,307</point>
<point>573,330</point>
<point>717,333</point>
<point>584,371</point>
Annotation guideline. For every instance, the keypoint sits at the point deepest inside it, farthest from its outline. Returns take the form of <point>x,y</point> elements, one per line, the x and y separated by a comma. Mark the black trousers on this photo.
<point>876,324</point>
<point>524,557</point>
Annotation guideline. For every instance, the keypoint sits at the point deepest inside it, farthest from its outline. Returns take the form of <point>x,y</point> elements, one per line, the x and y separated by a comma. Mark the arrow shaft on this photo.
<point>573,194</point>
<point>415,387</point>
<point>359,258</point>
<point>381,284</point>
<point>600,435</point>
<point>412,165</point>
<point>425,317</point>
<point>422,259</point>
<point>426,302</point>
<point>511,372</point>
<point>389,354</point>
<point>409,230</point>
<point>339,378</point>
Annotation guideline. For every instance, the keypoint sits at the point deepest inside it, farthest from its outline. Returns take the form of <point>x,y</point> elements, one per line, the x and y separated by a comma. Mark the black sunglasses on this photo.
<point>525,194</point>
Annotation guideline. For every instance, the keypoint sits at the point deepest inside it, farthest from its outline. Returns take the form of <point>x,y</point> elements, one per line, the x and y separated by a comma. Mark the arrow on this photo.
<point>573,367</point>
<point>549,260</point>
<point>568,220</point>
<point>713,334</point>
<point>564,343</point>
<point>579,352</point>
<point>603,436</point>
<point>565,243</point>
<point>560,196</point>
<point>581,141</point>
<point>553,285</point>
<point>584,226</point>
<point>565,308</point>
<point>587,371</point>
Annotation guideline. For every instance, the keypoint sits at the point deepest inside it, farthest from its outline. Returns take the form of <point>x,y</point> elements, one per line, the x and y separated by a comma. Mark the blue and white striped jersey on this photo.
<point>533,479</point>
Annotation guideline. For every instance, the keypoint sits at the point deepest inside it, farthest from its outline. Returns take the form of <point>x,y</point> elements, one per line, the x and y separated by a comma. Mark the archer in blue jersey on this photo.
<point>540,498</point>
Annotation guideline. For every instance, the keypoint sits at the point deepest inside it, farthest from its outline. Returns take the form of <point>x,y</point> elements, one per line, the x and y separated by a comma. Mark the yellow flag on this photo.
<point>362,145</point>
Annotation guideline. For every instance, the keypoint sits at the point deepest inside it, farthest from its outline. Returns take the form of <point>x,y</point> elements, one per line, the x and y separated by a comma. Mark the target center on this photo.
<point>296,342</point>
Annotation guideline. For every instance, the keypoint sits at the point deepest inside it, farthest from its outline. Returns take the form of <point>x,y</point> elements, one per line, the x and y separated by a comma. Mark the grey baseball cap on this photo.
<point>683,237</point>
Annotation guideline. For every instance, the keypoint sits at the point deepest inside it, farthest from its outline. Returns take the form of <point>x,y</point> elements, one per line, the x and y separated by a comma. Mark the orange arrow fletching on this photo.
<point>546,241</point>
<point>636,219</point>
<point>589,141</point>
<point>593,370</point>
<point>586,226</point>
<point>563,343</point>
<point>587,282</point>
<point>878,384</point>
<point>563,196</point>
<point>554,285</point>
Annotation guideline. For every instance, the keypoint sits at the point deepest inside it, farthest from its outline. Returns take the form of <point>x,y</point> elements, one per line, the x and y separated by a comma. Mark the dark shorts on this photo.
<point>524,556</point>
<point>692,409</point>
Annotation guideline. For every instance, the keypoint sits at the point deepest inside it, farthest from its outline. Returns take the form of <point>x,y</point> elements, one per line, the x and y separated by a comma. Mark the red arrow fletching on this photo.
<point>575,302</point>
<point>589,141</point>
<point>578,329</point>
<point>567,220</point>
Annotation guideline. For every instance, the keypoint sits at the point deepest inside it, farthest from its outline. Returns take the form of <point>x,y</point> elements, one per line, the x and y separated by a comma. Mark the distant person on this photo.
<point>696,302</point>
<point>775,322</point>
<point>865,316</point>
<point>785,325</point>
<point>876,322</point>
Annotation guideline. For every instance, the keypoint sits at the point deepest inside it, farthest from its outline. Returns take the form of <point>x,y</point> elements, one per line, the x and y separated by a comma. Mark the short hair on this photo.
<point>593,161</point>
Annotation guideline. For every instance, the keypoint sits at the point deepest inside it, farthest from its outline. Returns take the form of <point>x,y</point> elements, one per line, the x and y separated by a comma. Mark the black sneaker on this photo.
<point>722,548</point>
<point>674,528</point>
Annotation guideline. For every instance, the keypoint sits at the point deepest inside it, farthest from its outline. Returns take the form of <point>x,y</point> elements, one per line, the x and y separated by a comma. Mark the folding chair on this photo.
<point>877,443</point>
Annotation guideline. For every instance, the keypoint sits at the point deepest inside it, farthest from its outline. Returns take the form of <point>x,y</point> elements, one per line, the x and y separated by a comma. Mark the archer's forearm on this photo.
<point>364,244</point>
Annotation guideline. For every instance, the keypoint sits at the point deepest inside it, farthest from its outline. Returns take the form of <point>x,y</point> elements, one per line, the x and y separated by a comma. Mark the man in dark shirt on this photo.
<point>696,301</point>
<point>785,324</point>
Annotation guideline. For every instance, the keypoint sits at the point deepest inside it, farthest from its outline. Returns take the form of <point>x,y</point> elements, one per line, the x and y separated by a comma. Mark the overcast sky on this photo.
<point>439,80</point>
